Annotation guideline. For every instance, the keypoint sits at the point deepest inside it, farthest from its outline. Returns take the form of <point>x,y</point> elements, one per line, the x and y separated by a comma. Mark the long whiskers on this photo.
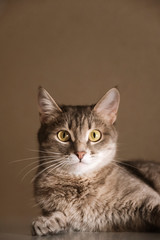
<point>51,166</point>
<point>62,165</point>
<point>54,161</point>
<point>36,162</point>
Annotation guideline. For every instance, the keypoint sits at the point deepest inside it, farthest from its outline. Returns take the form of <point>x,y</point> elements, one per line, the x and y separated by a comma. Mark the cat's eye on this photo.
<point>63,136</point>
<point>94,135</point>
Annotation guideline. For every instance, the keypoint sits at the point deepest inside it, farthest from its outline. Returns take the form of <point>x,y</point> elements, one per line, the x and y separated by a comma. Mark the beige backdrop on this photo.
<point>77,50</point>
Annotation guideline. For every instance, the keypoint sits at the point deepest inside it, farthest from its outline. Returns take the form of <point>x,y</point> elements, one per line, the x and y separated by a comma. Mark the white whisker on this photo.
<point>50,160</point>
<point>45,170</point>
<point>42,164</point>
<point>28,166</point>
<point>60,165</point>
<point>35,205</point>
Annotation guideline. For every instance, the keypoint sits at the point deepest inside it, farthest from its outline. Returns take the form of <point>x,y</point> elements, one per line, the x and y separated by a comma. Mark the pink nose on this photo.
<point>80,155</point>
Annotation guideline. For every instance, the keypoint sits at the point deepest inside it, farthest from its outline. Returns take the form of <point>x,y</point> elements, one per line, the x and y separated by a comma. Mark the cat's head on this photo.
<point>77,139</point>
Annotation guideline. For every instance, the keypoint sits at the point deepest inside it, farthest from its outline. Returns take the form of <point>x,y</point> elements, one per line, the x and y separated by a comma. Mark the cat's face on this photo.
<point>77,139</point>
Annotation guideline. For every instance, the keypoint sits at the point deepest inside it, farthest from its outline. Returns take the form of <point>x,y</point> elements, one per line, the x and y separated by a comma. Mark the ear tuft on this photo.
<point>108,105</point>
<point>47,106</point>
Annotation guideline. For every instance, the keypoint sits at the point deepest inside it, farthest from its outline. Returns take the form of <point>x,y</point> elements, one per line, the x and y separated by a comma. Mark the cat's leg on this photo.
<point>52,224</point>
<point>150,213</point>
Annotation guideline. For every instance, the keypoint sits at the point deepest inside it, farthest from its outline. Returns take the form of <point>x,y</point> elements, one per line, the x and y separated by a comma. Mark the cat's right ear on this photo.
<point>108,105</point>
<point>48,108</point>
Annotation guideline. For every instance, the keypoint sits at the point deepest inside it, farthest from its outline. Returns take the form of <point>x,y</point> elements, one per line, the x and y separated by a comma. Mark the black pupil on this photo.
<point>64,134</point>
<point>94,134</point>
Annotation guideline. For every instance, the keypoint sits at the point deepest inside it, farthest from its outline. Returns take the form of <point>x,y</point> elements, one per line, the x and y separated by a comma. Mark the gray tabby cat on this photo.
<point>79,186</point>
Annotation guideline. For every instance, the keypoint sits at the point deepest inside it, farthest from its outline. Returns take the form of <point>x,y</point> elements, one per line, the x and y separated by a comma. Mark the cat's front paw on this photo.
<point>49,225</point>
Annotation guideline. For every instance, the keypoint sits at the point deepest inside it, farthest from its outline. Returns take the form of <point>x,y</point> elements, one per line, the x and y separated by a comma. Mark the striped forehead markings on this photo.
<point>78,121</point>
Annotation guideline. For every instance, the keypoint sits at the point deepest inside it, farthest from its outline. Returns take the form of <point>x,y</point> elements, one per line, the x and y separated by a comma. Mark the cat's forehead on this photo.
<point>77,116</point>
<point>80,119</point>
<point>79,123</point>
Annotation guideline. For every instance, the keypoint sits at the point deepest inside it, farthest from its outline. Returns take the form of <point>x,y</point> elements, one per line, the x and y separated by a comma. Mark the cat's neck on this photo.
<point>93,176</point>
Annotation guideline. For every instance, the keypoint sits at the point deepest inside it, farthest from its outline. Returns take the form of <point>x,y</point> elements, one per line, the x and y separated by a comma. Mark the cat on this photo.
<point>79,185</point>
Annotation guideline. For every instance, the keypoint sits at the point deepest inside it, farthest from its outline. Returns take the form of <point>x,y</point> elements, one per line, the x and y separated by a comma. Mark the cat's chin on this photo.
<point>82,168</point>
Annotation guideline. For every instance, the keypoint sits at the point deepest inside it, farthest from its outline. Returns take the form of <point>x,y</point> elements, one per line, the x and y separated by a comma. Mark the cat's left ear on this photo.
<point>107,107</point>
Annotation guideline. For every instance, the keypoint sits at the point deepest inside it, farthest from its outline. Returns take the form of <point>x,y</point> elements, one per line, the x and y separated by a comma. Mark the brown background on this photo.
<point>77,50</point>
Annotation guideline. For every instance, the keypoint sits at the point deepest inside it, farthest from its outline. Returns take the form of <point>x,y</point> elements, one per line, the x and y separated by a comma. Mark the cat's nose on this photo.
<point>80,155</point>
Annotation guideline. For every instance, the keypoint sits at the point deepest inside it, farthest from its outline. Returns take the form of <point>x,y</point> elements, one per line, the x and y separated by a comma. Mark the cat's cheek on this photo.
<point>88,160</point>
<point>107,155</point>
<point>73,159</point>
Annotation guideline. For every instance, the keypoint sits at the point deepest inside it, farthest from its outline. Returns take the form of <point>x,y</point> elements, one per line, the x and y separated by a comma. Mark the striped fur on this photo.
<point>98,193</point>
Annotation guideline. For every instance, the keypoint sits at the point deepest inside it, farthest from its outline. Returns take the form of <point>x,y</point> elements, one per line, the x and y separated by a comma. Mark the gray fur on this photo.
<point>111,196</point>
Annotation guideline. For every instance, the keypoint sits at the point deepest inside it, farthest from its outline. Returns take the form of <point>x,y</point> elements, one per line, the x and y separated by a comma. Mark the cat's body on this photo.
<point>79,184</point>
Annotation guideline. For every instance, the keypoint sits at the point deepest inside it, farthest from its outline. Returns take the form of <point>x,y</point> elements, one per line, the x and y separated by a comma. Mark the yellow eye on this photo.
<point>94,136</point>
<point>63,136</point>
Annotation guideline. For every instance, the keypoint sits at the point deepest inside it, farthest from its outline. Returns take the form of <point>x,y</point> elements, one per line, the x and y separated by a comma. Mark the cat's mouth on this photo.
<point>81,162</point>
<point>76,160</point>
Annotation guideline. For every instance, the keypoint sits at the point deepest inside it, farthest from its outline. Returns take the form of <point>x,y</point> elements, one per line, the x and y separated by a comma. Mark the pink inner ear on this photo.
<point>108,105</point>
<point>113,107</point>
